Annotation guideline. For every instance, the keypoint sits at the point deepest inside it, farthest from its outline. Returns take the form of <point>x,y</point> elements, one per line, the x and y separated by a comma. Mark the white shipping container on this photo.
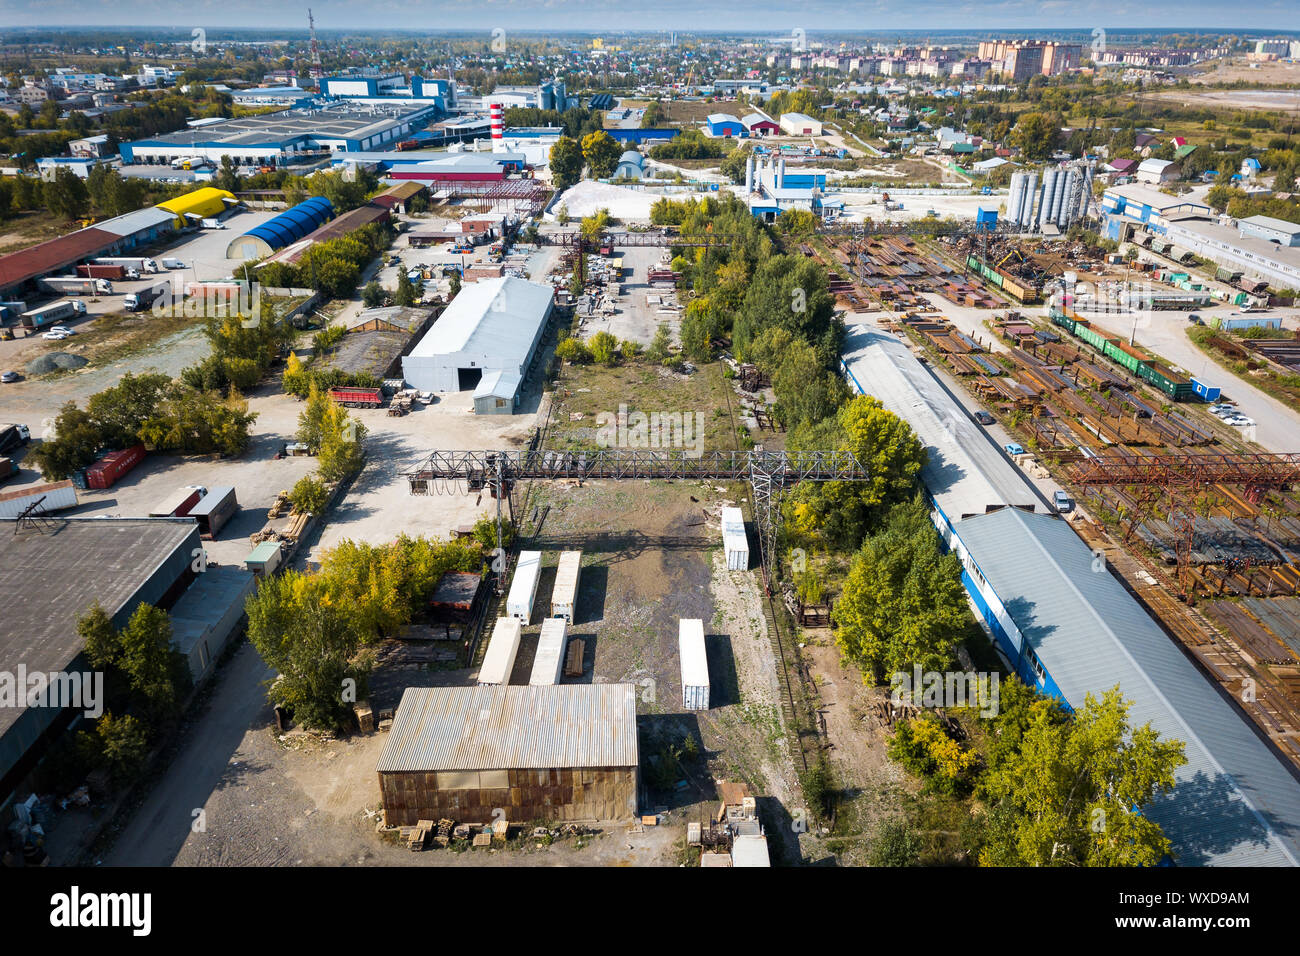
<point>549,661</point>
<point>734,539</point>
<point>519,603</point>
<point>499,660</point>
<point>60,495</point>
<point>564,596</point>
<point>695,664</point>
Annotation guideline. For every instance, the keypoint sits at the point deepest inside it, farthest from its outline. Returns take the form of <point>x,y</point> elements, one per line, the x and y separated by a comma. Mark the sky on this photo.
<point>603,15</point>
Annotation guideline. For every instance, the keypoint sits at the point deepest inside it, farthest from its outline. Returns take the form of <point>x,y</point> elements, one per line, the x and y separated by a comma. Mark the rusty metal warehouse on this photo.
<point>562,752</point>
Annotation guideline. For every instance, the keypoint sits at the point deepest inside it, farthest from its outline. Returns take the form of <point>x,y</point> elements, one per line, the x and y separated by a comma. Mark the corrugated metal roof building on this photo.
<point>492,325</point>
<point>1071,629</point>
<point>558,752</point>
<point>53,255</point>
<point>290,226</point>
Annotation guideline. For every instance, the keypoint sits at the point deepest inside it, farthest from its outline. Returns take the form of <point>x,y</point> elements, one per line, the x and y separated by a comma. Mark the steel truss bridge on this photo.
<point>769,473</point>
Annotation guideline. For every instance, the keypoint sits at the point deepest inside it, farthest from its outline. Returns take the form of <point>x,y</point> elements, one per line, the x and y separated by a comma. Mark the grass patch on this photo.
<point>595,393</point>
<point>117,335</point>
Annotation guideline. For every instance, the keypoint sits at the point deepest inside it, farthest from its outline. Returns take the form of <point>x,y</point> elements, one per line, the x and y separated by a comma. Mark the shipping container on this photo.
<point>357,397</point>
<point>695,664</point>
<point>76,285</point>
<point>528,569</point>
<point>1206,393</point>
<point>734,539</point>
<point>549,660</point>
<point>177,504</point>
<point>214,509</point>
<point>97,270</point>
<point>59,495</point>
<point>52,313</point>
<point>106,472</point>
<point>141,264</point>
<point>499,660</point>
<point>264,559</point>
<point>564,596</point>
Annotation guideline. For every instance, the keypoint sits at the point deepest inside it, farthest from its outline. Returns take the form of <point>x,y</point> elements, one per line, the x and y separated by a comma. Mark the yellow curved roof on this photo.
<point>204,202</point>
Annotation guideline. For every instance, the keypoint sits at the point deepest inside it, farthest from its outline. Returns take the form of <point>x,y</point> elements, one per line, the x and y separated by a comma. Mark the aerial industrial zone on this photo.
<point>653,449</point>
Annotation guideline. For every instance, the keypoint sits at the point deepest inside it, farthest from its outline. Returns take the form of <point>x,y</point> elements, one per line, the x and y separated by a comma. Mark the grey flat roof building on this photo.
<point>51,579</point>
<point>1235,802</point>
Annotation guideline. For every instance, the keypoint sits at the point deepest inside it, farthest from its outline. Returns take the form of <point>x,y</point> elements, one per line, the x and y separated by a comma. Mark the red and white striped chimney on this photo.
<point>498,115</point>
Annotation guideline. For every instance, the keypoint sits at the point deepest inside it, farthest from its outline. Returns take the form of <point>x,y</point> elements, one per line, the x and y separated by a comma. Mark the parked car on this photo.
<point>1014,448</point>
<point>7,377</point>
<point>64,329</point>
<point>984,418</point>
<point>55,336</point>
<point>1063,502</point>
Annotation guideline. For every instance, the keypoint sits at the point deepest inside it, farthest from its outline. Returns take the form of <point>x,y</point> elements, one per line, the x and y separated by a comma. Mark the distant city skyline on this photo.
<point>681,15</point>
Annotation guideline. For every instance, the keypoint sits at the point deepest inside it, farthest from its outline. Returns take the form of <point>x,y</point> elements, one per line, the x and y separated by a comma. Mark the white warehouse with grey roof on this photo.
<point>489,334</point>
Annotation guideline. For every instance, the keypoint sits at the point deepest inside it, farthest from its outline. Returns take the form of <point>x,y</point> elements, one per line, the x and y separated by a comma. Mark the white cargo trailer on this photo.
<point>734,539</point>
<point>564,596</point>
<point>549,660</point>
<point>519,603</point>
<point>60,495</point>
<point>499,660</point>
<point>695,664</point>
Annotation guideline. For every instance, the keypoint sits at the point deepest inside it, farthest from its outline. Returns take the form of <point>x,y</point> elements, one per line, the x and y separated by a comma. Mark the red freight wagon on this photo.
<point>106,472</point>
<point>357,397</point>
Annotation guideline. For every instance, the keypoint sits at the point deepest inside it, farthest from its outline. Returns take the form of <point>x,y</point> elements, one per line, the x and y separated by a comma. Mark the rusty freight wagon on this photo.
<point>559,752</point>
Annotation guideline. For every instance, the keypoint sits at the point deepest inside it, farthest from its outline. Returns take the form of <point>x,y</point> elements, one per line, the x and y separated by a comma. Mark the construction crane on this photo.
<point>316,71</point>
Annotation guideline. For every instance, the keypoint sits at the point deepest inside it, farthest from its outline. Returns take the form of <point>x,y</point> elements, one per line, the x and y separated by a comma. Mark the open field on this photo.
<point>28,228</point>
<point>1240,70</point>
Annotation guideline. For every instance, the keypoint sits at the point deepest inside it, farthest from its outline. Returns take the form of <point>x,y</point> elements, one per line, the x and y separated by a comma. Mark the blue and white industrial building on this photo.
<point>1069,628</point>
<point>1141,206</point>
<point>724,125</point>
<point>287,138</point>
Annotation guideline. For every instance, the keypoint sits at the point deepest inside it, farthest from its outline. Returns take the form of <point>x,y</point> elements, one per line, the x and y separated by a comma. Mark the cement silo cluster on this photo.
<point>1061,200</point>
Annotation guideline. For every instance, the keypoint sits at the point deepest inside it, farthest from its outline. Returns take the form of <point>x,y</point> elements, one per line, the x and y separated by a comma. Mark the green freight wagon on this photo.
<point>1140,364</point>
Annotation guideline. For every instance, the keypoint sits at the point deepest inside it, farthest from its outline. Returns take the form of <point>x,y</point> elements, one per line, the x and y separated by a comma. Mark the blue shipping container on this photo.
<point>1206,393</point>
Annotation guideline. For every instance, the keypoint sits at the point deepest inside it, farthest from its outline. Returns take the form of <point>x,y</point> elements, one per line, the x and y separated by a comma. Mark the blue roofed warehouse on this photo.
<point>290,226</point>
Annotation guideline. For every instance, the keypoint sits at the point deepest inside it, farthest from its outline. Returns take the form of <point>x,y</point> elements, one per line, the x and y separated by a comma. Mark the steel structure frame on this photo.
<point>1257,472</point>
<point>769,473</point>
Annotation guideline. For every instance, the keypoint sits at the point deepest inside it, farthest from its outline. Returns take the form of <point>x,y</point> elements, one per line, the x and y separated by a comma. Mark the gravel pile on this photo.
<point>54,361</point>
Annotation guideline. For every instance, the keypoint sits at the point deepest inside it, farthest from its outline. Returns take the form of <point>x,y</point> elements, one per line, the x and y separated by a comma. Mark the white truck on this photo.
<point>141,264</point>
<point>144,298</point>
<point>173,263</point>
<point>76,285</point>
<point>212,224</point>
<point>52,313</point>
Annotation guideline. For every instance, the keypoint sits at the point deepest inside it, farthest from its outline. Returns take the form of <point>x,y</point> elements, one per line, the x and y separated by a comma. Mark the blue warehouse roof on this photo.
<point>1235,802</point>
<point>292,224</point>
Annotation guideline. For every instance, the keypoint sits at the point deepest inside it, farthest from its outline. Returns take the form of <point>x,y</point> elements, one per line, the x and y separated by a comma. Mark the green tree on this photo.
<point>406,294</point>
<point>372,296</point>
<point>1074,792</point>
<point>311,640</point>
<point>902,604</point>
<point>124,743</point>
<point>66,195</point>
<point>566,161</point>
<point>601,152</point>
<point>895,844</point>
<point>660,346</point>
<point>604,348</point>
<point>1037,135</point>
<point>309,495</point>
